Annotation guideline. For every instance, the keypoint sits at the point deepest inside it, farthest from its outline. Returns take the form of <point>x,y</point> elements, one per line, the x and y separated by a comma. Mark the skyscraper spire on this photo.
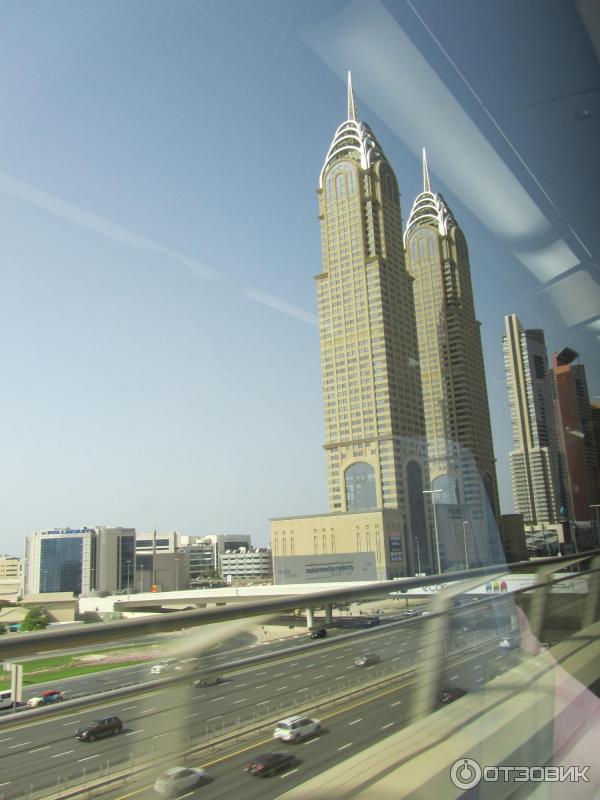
<point>351,100</point>
<point>426,181</point>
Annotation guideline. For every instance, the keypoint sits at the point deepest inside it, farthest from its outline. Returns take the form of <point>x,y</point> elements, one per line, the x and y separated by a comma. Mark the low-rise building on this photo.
<point>247,564</point>
<point>10,578</point>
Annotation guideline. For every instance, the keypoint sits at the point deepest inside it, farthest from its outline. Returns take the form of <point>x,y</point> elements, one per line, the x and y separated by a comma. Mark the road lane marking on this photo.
<point>262,673</point>
<point>318,676</point>
<point>65,724</point>
<point>291,772</point>
<point>344,746</point>
<point>279,675</point>
<point>198,696</point>
<point>314,739</point>
<point>20,744</point>
<point>5,783</point>
<point>215,699</point>
<point>37,749</point>
<point>298,675</point>
<point>304,689</point>
<point>128,708</point>
<point>141,730</point>
<point>88,758</point>
<point>397,703</point>
<point>241,685</point>
<point>281,688</point>
<point>389,725</point>
<point>355,721</point>
<point>262,686</point>
<point>66,753</point>
<point>7,740</point>
<point>262,702</point>
<point>188,716</point>
<point>211,718</point>
<point>454,677</point>
<point>148,710</point>
<point>243,700</point>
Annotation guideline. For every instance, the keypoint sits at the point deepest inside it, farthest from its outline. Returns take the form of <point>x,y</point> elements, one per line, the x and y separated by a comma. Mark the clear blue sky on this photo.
<point>158,166</point>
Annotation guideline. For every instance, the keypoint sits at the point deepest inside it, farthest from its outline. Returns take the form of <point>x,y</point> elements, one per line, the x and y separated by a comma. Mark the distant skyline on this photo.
<point>158,242</point>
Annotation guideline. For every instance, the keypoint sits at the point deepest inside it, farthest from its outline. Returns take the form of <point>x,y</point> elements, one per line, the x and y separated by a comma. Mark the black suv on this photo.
<point>99,727</point>
<point>318,633</point>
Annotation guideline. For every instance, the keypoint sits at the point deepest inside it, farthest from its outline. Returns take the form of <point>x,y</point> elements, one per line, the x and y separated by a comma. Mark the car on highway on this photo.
<point>451,693</point>
<point>108,726</point>
<point>294,729</point>
<point>46,698</point>
<point>166,665</point>
<point>369,622</point>
<point>179,779</point>
<point>265,764</point>
<point>209,680</point>
<point>410,612</point>
<point>318,633</point>
<point>367,660</point>
<point>509,643</point>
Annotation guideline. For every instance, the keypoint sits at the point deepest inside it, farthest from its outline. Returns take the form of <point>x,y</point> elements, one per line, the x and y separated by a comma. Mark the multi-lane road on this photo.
<point>161,723</point>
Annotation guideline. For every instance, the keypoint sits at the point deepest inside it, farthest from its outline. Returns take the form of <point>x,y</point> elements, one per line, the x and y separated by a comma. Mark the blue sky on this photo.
<point>158,166</point>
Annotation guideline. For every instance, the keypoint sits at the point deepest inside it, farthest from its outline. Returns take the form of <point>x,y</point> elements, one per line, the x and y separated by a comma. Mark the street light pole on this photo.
<point>465,523</point>
<point>435,527</point>
<point>418,555</point>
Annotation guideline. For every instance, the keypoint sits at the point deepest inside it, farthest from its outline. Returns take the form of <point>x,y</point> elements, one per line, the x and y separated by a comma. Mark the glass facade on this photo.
<point>126,567</point>
<point>361,494</point>
<point>60,564</point>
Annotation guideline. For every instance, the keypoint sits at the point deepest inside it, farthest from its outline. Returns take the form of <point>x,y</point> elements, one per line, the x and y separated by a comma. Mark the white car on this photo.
<point>168,665</point>
<point>178,779</point>
<point>294,729</point>
<point>509,643</point>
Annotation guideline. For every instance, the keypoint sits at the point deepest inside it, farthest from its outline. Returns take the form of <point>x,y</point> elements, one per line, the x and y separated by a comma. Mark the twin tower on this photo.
<point>410,461</point>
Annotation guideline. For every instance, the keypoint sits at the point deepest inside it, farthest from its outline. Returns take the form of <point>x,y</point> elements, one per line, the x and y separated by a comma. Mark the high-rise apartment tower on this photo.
<point>535,457</point>
<point>457,418</point>
<point>374,424</point>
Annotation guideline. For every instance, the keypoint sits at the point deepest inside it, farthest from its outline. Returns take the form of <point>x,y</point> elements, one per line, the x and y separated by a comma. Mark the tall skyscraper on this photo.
<point>374,425</point>
<point>534,459</point>
<point>457,417</point>
<point>576,435</point>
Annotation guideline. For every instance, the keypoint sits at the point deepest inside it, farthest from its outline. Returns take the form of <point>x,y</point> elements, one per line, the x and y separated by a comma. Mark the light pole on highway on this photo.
<point>465,523</point>
<point>435,527</point>
<point>418,555</point>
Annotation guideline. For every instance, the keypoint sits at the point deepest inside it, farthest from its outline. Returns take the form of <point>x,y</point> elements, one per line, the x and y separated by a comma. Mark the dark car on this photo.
<point>318,633</point>
<point>450,694</point>
<point>367,660</point>
<point>369,622</point>
<point>213,680</point>
<point>109,726</point>
<point>266,764</point>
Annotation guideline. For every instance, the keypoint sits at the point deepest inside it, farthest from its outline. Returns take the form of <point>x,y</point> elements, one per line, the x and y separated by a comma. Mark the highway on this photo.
<point>161,721</point>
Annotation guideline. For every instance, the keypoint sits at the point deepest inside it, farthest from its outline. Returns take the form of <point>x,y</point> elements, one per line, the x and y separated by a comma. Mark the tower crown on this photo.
<point>353,139</point>
<point>430,207</point>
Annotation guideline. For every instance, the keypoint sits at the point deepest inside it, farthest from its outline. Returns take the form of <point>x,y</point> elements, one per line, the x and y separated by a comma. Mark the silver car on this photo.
<point>178,779</point>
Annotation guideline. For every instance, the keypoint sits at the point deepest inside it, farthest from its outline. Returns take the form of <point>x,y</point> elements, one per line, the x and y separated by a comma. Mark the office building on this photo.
<point>11,578</point>
<point>374,427</point>
<point>457,418</point>
<point>81,560</point>
<point>581,478</point>
<point>204,553</point>
<point>244,563</point>
<point>534,458</point>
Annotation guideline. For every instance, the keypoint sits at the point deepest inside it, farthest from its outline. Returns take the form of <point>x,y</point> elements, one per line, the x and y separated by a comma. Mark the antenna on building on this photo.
<point>352,114</point>
<point>426,181</point>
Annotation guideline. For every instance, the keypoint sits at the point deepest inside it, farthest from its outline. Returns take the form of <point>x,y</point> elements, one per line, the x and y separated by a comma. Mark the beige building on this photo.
<point>374,425</point>
<point>342,534</point>
<point>10,578</point>
<point>457,418</point>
